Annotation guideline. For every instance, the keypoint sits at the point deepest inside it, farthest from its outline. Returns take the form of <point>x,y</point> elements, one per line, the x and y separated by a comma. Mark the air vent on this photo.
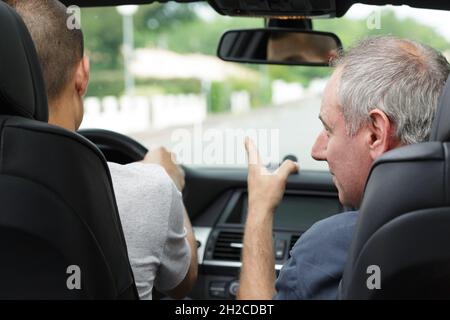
<point>294,239</point>
<point>228,246</point>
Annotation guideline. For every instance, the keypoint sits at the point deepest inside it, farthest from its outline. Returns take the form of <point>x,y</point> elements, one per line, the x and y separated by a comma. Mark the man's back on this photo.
<point>151,211</point>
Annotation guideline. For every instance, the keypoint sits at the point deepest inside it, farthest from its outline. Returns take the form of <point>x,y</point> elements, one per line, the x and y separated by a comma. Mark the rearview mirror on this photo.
<point>279,46</point>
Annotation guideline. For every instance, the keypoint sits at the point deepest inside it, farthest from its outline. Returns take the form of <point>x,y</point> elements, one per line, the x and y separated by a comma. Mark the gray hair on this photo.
<point>403,78</point>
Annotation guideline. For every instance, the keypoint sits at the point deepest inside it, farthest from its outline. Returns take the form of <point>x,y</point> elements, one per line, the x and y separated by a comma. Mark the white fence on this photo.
<point>171,110</point>
<point>285,92</point>
<point>135,114</point>
<point>240,102</point>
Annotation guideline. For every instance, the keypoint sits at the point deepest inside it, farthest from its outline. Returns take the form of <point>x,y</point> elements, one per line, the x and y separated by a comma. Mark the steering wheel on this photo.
<point>116,147</point>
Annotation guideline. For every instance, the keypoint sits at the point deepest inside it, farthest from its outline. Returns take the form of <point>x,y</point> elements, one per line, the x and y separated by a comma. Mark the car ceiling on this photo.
<point>341,5</point>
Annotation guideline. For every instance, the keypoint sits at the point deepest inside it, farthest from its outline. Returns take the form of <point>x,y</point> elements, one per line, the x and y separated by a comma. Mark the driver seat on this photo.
<point>60,233</point>
<point>400,246</point>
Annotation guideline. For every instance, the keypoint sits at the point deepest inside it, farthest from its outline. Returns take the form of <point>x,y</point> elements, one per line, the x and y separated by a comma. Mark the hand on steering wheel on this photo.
<point>167,160</point>
<point>122,149</point>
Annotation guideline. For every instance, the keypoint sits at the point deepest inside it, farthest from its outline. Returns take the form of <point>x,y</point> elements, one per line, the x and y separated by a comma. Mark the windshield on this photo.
<point>156,78</point>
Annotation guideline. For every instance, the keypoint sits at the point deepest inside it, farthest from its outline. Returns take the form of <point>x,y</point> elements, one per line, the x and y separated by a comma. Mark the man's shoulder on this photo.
<point>317,260</point>
<point>142,187</point>
<point>135,167</point>
<point>336,230</point>
<point>139,173</point>
<point>338,221</point>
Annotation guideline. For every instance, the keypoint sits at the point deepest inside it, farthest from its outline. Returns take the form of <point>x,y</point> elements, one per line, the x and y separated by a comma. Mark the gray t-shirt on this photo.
<point>152,214</point>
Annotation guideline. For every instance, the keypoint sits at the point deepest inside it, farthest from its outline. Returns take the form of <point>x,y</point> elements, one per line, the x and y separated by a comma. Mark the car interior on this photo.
<point>48,224</point>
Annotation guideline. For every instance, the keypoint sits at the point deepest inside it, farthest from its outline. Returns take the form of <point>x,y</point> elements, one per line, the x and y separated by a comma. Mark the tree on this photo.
<point>179,27</point>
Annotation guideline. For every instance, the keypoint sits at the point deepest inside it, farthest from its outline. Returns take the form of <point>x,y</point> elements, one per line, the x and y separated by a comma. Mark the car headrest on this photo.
<point>22,87</point>
<point>440,130</point>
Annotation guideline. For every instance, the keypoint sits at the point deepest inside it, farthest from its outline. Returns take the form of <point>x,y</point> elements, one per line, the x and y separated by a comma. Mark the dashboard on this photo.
<point>216,200</point>
<point>220,242</point>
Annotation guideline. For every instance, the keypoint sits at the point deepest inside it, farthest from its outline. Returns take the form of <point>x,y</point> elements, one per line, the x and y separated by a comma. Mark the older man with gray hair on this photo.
<point>383,94</point>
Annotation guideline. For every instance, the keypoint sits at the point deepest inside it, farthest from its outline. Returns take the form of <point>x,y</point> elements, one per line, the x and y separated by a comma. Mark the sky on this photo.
<point>438,19</point>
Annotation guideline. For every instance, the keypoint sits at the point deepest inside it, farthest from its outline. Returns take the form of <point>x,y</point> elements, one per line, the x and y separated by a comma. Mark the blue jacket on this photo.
<point>317,260</point>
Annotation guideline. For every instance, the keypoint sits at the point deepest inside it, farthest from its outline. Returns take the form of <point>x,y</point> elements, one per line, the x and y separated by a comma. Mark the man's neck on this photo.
<point>59,115</point>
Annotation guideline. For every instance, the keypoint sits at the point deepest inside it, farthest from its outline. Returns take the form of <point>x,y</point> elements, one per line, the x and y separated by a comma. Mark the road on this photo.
<point>278,131</point>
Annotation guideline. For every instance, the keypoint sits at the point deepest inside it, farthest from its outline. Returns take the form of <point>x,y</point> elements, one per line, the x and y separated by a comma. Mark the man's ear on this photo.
<point>82,76</point>
<point>381,134</point>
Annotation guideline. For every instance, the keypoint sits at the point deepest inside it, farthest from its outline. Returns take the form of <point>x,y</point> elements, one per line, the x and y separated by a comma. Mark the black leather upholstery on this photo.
<point>440,130</point>
<point>404,222</point>
<point>21,85</point>
<point>57,203</point>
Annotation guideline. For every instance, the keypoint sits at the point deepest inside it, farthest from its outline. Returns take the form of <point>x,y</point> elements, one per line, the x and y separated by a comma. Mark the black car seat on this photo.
<point>59,224</point>
<point>404,222</point>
